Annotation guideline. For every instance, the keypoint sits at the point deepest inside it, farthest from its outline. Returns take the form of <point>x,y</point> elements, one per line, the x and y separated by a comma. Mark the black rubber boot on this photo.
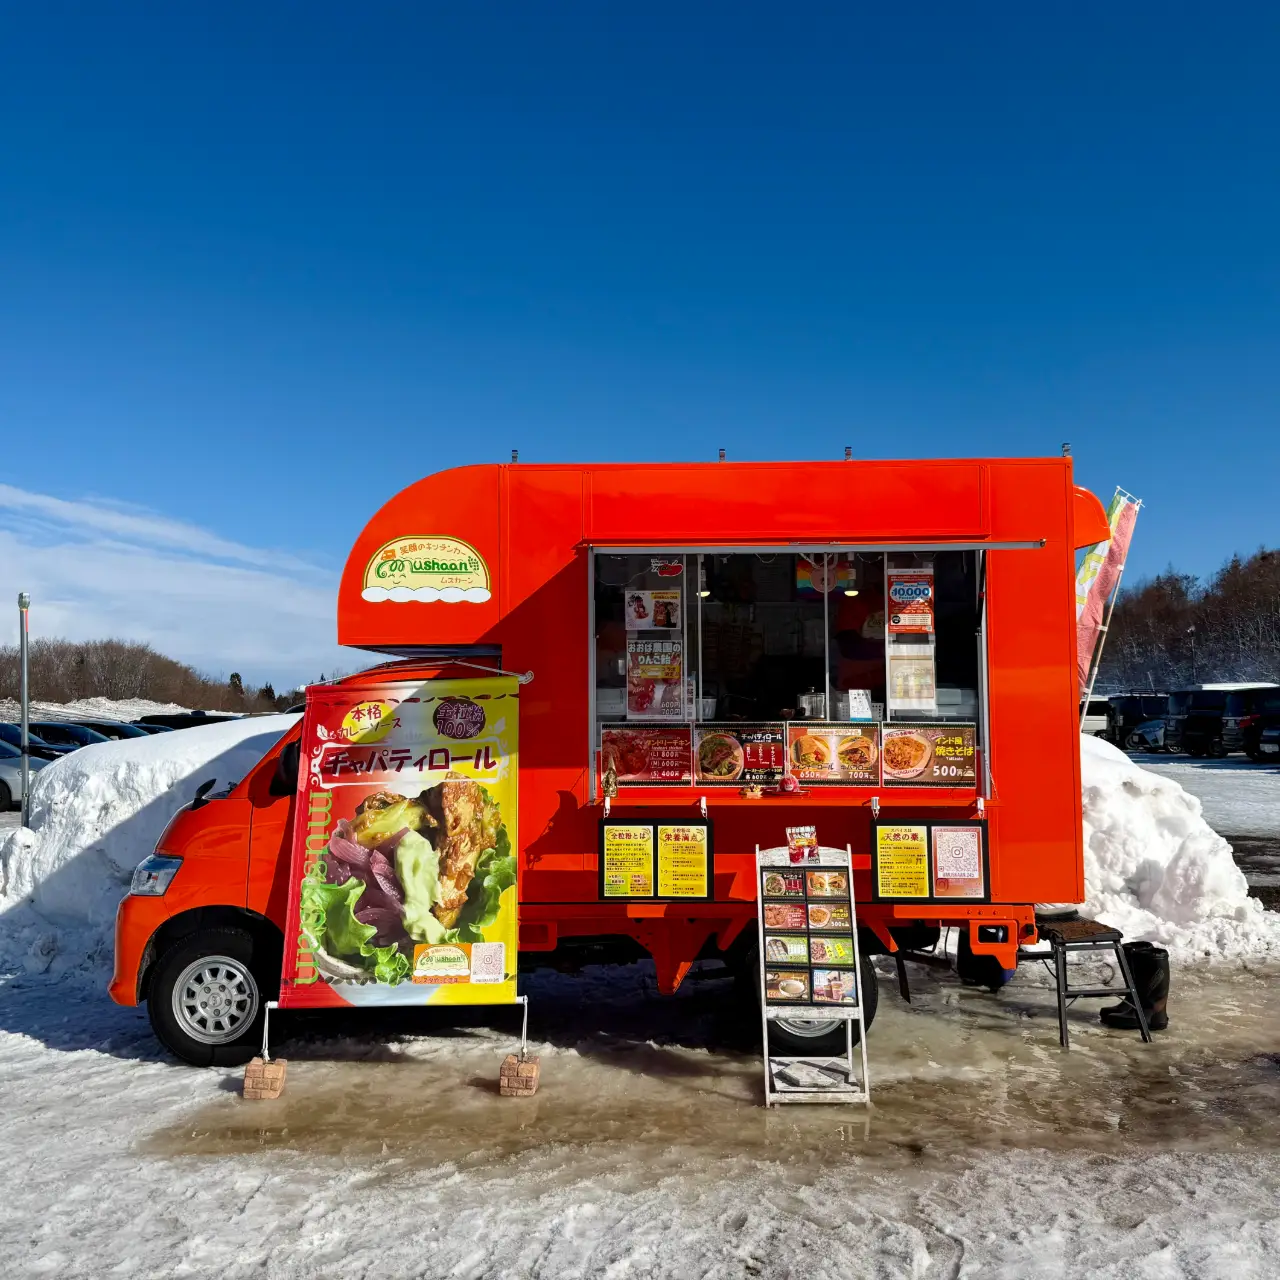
<point>1149,966</point>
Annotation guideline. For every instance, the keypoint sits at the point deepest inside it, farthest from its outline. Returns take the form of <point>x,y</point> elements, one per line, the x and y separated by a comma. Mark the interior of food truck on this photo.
<point>772,635</point>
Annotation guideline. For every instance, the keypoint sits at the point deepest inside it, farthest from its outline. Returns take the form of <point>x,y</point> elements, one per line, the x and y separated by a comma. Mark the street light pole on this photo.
<point>24,694</point>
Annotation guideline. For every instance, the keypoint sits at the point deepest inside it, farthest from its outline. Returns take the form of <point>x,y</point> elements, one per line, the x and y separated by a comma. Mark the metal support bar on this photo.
<point>266,1028</point>
<point>523,1002</point>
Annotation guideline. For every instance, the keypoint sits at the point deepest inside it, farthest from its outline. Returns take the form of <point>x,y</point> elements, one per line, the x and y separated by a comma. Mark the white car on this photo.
<point>1095,722</point>
<point>11,774</point>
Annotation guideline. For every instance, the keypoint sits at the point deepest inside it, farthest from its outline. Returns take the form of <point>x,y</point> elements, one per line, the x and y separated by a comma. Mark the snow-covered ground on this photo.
<point>989,1151</point>
<point>1240,798</point>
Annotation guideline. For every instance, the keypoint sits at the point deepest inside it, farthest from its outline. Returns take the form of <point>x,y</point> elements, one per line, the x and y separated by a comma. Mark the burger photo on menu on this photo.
<point>827,884</point>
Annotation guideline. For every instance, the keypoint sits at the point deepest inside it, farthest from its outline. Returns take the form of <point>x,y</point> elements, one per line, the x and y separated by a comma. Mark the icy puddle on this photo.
<point>633,1081</point>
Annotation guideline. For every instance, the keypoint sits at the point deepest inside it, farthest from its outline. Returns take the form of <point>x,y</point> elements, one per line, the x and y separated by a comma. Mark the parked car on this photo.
<point>1256,727</point>
<point>1148,736</point>
<point>1128,711</point>
<point>1095,720</point>
<point>151,729</point>
<point>11,735</point>
<point>67,734</point>
<point>113,729</point>
<point>11,774</point>
<point>183,720</point>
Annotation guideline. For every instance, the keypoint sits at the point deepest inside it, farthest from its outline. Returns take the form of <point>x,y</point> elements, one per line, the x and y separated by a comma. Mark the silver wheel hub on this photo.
<point>807,1028</point>
<point>215,999</point>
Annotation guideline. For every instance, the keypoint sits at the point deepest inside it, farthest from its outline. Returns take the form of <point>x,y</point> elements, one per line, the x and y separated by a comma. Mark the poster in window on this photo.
<point>910,610</point>
<point>900,861</point>
<point>626,860</point>
<point>653,610</point>
<point>842,755</point>
<point>647,755</point>
<point>684,860</point>
<point>655,668</point>
<point>912,678</point>
<point>959,860</point>
<point>738,754</point>
<point>930,755</point>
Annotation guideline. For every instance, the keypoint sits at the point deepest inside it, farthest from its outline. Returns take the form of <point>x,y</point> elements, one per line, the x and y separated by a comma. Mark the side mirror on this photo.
<point>202,792</point>
<point>284,782</point>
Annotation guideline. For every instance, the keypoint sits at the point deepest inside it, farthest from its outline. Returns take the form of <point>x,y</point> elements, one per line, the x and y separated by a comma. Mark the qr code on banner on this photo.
<point>488,961</point>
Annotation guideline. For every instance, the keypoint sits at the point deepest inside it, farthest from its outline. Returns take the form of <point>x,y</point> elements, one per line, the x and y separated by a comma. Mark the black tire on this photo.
<point>6,797</point>
<point>829,1043</point>
<point>975,970</point>
<point>246,974</point>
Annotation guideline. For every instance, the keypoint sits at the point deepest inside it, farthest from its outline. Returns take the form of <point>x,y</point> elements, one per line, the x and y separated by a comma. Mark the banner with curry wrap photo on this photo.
<point>403,876</point>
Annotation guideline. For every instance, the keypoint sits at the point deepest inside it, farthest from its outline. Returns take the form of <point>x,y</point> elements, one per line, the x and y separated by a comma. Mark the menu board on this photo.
<point>626,860</point>
<point>809,956</point>
<point>834,754</point>
<point>662,860</point>
<point>930,861</point>
<point>647,756</point>
<point>739,754</point>
<point>684,867</point>
<point>929,755</point>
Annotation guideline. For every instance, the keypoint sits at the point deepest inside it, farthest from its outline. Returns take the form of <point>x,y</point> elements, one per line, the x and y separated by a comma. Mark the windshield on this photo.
<point>1208,700</point>
<point>1270,705</point>
<point>1237,705</point>
<point>1179,703</point>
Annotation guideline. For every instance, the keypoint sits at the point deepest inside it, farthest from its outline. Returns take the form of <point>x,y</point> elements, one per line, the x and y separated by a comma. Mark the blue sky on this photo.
<point>263,265</point>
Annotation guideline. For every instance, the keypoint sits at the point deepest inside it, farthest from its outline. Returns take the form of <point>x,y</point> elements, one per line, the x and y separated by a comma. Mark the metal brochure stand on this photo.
<point>795,1077</point>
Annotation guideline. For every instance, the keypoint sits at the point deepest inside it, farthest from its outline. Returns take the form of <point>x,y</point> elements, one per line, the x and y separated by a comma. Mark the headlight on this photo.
<point>152,876</point>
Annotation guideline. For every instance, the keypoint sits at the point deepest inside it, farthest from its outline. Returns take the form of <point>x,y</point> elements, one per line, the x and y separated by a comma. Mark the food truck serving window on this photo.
<point>737,667</point>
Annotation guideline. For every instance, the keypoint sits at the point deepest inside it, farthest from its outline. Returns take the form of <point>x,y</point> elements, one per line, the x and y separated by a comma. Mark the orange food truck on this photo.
<point>709,655</point>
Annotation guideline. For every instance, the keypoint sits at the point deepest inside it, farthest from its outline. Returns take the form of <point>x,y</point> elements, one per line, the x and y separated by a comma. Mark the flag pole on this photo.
<point>24,696</point>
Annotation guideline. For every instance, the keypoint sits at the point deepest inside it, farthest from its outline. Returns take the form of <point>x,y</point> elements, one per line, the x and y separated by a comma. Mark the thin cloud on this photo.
<point>143,527</point>
<point>95,571</point>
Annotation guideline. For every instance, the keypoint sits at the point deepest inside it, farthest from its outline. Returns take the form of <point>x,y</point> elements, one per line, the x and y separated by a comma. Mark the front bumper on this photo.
<point>137,919</point>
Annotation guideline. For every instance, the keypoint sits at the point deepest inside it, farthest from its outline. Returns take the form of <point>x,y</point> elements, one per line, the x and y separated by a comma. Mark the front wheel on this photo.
<point>207,994</point>
<point>812,1038</point>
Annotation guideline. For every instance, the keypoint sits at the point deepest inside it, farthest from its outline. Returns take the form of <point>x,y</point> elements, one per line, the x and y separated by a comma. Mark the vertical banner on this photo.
<point>1098,578</point>
<point>402,886</point>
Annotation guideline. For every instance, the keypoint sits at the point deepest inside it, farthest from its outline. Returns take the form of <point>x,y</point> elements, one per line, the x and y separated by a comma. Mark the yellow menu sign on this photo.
<point>627,860</point>
<point>902,860</point>
<point>684,864</point>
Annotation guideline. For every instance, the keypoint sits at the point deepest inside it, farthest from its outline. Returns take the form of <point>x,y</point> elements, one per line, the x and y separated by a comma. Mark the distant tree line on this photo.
<point>63,670</point>
<point>1173,631</point>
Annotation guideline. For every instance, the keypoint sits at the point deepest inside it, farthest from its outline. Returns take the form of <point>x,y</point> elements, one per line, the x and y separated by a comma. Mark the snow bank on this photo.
<point>1154,868</point>
<point>90,709</point>
<point>95,814</point>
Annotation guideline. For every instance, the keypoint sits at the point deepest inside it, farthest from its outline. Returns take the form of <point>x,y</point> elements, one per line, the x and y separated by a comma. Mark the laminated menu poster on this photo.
<point>930,755</point>
<point>739,754</point>
<point>959,855</point>
<point>840,755</point>
<point>402,886</point>
<point>656,861</point>
<point>910,610</point>
<point>647,756</point>
<point>626,857</point>
<point>807,936</point>
<point>900,861</point>
<point>655,670</point>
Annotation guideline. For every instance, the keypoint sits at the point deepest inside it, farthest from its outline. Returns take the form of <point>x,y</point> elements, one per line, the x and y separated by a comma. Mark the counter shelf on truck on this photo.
<point>894,640</point>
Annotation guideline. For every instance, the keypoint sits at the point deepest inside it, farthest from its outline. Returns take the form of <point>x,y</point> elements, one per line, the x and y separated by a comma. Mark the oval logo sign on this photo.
<point>428,569</point>
<point>458,718</point>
